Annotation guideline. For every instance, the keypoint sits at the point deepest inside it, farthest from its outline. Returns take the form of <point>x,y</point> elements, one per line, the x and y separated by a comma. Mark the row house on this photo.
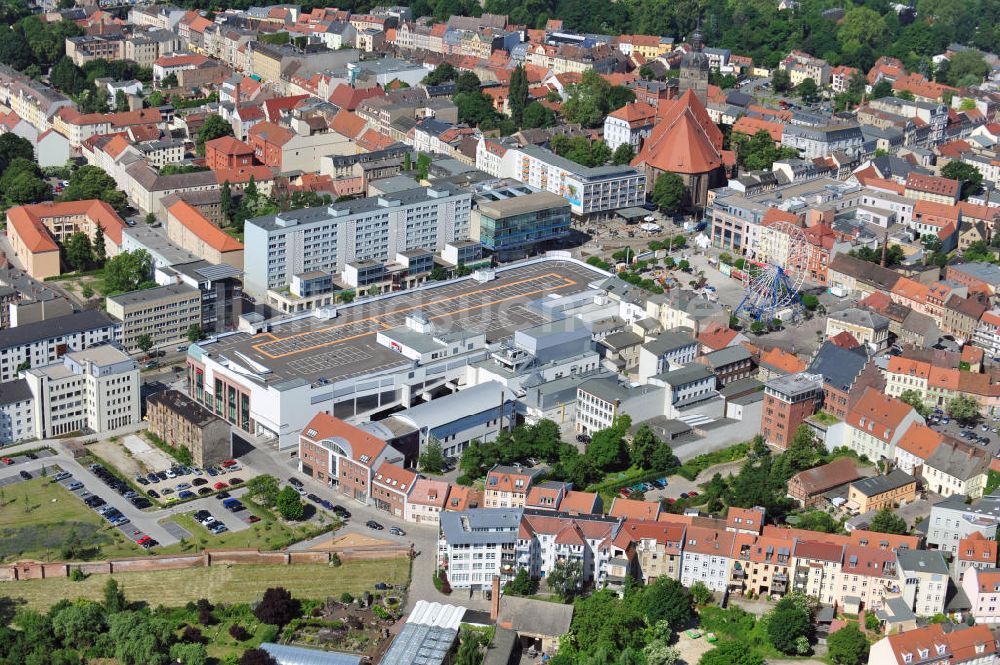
<point>817,569</point>
<point>391,487</point>
<point>647,550</point>
<point>930,645</point>
<point>545,540</point>
<point>707,557</point>
<point>877,423</point>
<point>987,334</point>
<point>761,565</point>
<point>507,486</point>
<point>975,551</point>
<point>982,586</point>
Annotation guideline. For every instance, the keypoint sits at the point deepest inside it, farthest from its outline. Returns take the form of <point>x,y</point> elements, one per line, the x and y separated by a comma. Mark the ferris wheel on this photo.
<point>776,262</point>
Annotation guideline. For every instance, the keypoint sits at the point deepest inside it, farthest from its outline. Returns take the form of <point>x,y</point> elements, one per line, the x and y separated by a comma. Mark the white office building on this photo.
<point>42,343</point>
<point>328,238</point>
<point>589,191</point>
<point>95,390</point>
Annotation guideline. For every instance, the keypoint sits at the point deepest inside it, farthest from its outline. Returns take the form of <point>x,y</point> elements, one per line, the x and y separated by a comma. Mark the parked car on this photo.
<point>295,482</point>
<point>229,462</point>
<point>62,475</point>
<point>253,519</point>
<point>198,482</point>
<point>314,498</point>
<point>25,475</point>
<point>222,495</point>
<point>372,524</point>
<point>342,512</point>
<point>211,471</point>
<point>396,531</point>
<point>6,460</point>
<point>235,480</point>
<point>220,485</point>
<point>74,486</point>
<point>153,493</point>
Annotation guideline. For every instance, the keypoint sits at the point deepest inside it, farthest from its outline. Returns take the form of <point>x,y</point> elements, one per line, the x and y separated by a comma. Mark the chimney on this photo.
<point>495,600</point>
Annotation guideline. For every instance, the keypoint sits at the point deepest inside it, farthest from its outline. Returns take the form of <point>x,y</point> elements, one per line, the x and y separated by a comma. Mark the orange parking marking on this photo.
<point>377,318</point>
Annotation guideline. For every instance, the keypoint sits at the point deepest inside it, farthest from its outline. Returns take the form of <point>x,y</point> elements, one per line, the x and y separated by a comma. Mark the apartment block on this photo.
<point>182,422</point>
<point>478,545</point>
<point>96,390</point>
<point>788,401</point>
<point>164,314</point>
<point>17,421</point>
<point>328,238</point>
<point>44,342</point>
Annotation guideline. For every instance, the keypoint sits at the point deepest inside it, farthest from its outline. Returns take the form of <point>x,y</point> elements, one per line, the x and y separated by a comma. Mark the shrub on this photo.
<point>441,582</point>
<point>381,612</point>
<point>346,598</point>
<point>239,633</point>
<point>464,480</point>
<point>335,560</point>
<point>193,635</point>
<point>77,575</point>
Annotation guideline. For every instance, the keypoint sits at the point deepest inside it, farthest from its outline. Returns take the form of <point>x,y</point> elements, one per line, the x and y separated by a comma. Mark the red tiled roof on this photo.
<point>229,145</point>
<point>348,98</point>
<point>782,361</point>
<point>274,106</point>
<point>750,125</point>
<point>28,221</point>
<point>271,133</point>
<point>932,184</point>
<point>920,441</point>
<point>685,140</point>
<point>635,114</point>
<point>976,547</point>
<point>207,232</point>
<point>168,61</point>
<point>648,510</point>
<point>362,445</point>
<point>877,414</point>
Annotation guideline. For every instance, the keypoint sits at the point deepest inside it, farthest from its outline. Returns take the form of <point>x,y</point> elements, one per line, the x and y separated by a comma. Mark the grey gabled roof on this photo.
<point>671,340</point>
<point>686,374</point>
<point>88,319</point>
<point>15,391</point>
<point>481,526</point>
<point>957,460</point>
<point>838,366</point>
<point>880,484</point>
<point>922,561</point>
<point>861,317</point>
<point>727,356</point>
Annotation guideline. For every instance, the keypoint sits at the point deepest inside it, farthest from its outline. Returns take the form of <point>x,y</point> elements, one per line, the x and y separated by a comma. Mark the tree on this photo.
<point>441,74</point>
<point>121,101</point>
<point>566,578</point>
<point>156,99</point>
<point>277,607</point>
<point>205,608</point>
<point>79,253</point>
<point>139,639</point>
<point>788,621</point>
<point>807,90</point>
<point>522,584</point>
<point>226,205</point>
<point>79,625</point>
<point>517,97</point>
<point>644,446</point>
<point>144,342</point>
<point>128,271</point>
<point>593,98</point>
<point>623,154</point>
<point>114,597</point>
<point>781,80</point>
<point>13,146</point>
<point>668,192</point>
<point>731,652</point>
<point>607,448</point>
<point>195,332</point>
<point>847,646</point>
<point>535,115</point>
<point>21,187</point>
<point>967,68</point>
<point>169,81</point>
<point>100,253</point>
<point>886,521</point>
<point>290,505</point>
<point>91,182</point>
<point>213,128</point>
<point>263,489</point>
<point>701,594</point>
<point>667,600</point>
<point>963,407</point>
<point>913,398</point>
<point>882,89</point>
<point>69,78</point>
<point>992,482</point>
<point>758,152</point>
<point>432,459</point>
<point>257,656</point>
<point>966,174</point>
<point>467,82</point>
<point>189,654</point>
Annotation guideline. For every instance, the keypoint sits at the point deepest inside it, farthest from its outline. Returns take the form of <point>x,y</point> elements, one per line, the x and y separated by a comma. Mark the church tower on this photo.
<point>694,68</point>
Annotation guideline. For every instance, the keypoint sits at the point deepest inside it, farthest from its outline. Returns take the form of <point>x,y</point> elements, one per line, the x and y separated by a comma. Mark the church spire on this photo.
<point>697,42</point>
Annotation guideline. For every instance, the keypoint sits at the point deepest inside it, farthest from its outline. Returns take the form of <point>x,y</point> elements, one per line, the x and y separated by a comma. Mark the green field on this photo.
<point>220,584</point>
<point>267,534</point>
<point>37,517</point>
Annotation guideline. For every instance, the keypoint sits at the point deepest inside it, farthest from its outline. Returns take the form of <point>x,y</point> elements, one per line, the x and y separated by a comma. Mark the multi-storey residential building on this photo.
<point>813,142</point>
<point>513,223</point>
<point>343,456</point>
<point>923,580</point>
<point>630,124</point>
<point>952,520</point>
<point>987,335</point>
<point>761,565</point>
<point>599,401</point>
<point>865,326</point>
<point>37,231</point>
<point>877,423</point>
<point>801,66</point>
<point>44,342</point>
<point>650,549</point>
<point>375,228</point>
<point>165,314</point>
<point>669,350</point>
<point>32,101</point>
<point>94,389</point>
<point>817,569</point>
<point>590,191</point>
<point>391,487</point>
<point>932,188</point>
<point>956,467</point>
<point>707,557</point>
<point>17,421</point>
<point>975,551</point>
<point>924,646</point>
<point>867,577</point>
<point>190,230</point>
<point>477,545</point>
<point>507,487</point>
<point>982,587</point>
<point>840,78</point>
<point>221,292</point>
<point>788,401</point>
<point>426,501</point>
<point>544,540</point>
<point>180,421</point>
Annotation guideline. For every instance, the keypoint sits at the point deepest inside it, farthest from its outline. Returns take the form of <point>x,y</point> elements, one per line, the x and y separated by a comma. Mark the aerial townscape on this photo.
<point>500,332</point>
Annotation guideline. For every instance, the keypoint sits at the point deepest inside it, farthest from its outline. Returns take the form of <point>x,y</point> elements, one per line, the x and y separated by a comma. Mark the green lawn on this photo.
<point>267,534</point>
<point>220,584</point>
<point>38,516</point>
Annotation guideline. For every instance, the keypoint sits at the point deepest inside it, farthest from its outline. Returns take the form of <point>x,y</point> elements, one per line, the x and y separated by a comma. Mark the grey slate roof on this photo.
<point>880,484</point>
<point>89,319</point>
<point>727,356</point>
<point>481,526</point>
<point>671,340</point>
<point>838,366</point>
<point>686,374</point>
<point>922,561</point>
<point>957,460</point>
<point>535,617</point>
<point>861,317</point>
<point>14,391</point>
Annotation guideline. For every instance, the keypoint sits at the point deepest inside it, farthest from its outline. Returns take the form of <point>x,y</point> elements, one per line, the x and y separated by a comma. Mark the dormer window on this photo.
<point>907,657</point>
<point>923,652</point>
<point>940,649</point>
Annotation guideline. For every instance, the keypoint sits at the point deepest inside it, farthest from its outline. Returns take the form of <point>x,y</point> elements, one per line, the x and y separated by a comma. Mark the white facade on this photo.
<point>96,389</point>
<point>328,238</point>
<point>42,343</point>
<point>712,570</point>
<point>17,421</point>
<point>589,190</point>
<point>477,545</point>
